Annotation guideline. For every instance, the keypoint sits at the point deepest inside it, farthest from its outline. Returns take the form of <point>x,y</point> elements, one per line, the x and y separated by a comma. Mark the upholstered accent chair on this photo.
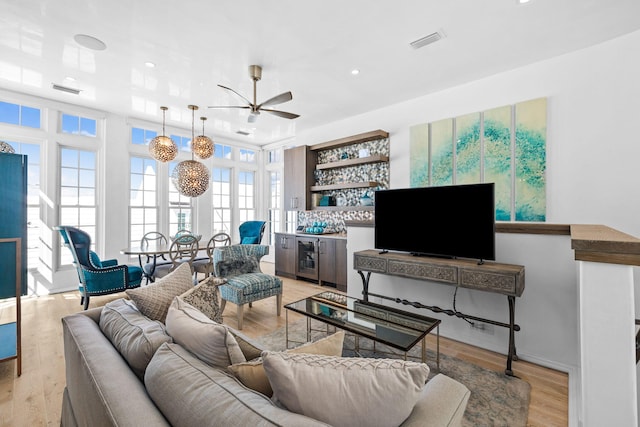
<point>97,277</point>
<point>246,283</point>
<point>251,232</point>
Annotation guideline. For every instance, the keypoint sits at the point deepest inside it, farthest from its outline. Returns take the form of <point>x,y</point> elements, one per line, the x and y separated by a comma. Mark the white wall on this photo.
<point>593,149</point>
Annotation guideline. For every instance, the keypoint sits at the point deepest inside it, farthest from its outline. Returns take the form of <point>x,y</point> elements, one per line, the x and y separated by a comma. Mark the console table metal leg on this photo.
<point>365,285</point>
<point>308,329</point>
<point>438,347</point>
<point>512,345</point>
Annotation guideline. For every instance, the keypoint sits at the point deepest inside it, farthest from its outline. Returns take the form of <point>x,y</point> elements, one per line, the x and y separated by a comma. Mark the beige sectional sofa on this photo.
<point>125,369</point>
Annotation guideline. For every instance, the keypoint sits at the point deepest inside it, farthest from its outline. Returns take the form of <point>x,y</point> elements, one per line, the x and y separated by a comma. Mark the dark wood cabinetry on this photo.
<point>315,258</point>
<point>285,255</point>
<point>333,263</point>
<point>299,164</point>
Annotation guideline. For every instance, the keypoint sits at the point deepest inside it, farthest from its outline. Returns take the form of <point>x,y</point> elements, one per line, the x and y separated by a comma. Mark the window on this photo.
<point>222,151</point>
<point>77,194</point>
<point>274,156</point>
<point>78,125</point>
<point>182,142</point>
<point>32,152</point>
<point>275,196</point>
<point>20,115</point>
<point>248,156</point>
<point>246,196</point>
<point>142,136</point>
<point>221,197</point>
<point>143,209</point>
<point>179,207</point>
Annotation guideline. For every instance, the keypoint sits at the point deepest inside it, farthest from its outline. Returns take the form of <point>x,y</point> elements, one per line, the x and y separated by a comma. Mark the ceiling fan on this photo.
<point>255,73</point>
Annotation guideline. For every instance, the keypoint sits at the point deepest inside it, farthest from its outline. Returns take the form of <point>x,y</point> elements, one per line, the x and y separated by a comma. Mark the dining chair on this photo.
<point>205,265</point>
<point>148,267</point>
<point>97,277</point>
<point>183,249</point>
<point>251,232</point>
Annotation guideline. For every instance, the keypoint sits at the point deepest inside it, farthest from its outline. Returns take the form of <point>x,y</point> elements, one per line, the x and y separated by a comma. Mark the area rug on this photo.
<point>496,399</point>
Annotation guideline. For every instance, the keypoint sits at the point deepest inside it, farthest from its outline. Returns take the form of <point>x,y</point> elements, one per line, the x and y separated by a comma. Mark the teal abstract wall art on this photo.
<point>504,145</point>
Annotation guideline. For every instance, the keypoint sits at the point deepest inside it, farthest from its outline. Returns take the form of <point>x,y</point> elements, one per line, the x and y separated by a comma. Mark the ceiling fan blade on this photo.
<point>280,113</point>
<point>246,107</point>
<point>231,90</point>
<point>278,99</point>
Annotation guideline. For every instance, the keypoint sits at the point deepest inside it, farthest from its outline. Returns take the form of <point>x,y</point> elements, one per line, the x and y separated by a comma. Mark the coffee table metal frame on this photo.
<point>334,309</point>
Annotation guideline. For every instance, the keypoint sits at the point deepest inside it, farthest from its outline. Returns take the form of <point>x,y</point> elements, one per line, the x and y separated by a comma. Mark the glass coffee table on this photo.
<point>395,328</point>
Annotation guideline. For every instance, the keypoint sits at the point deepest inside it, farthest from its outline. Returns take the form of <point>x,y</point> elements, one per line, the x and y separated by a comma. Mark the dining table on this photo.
<point>153,251</point>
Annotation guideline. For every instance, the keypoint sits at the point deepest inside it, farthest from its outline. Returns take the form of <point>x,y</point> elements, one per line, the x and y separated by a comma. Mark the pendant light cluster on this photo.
<point>5,147</point>
<point>190,177</point>
<point>162,148</point>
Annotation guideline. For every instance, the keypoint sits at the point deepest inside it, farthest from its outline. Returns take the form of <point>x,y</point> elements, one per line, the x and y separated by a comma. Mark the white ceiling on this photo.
<point>306,47</point>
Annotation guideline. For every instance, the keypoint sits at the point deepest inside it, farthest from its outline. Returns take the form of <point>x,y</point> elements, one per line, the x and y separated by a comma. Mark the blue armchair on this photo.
<point>97,277</point>
<point>245,282</point>
<point>251,232</point>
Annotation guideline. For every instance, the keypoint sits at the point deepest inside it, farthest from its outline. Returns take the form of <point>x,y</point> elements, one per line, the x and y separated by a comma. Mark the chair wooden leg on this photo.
<point>250,304</point>
<point>240,315</point>
<point>86,302</point>
<point>223,302</point>
<point>81,300</point>
<point>279,304</point>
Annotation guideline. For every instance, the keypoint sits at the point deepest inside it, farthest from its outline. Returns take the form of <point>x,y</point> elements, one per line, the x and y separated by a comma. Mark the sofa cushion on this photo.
<point>205,296</point>
<point>190,393</point>
<point>346,391</point>
<point>135,336</point>
<point>252,373</point>
<point>154,300</point>
<point>209,341</point>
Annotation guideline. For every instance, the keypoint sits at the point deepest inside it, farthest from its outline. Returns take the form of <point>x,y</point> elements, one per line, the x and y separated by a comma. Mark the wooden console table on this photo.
<point>506,279</point>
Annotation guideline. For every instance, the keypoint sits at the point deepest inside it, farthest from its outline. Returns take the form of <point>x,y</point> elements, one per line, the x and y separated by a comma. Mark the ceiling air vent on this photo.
<point>431,38</point>
<point>242,132</point>
<point>65,89</point>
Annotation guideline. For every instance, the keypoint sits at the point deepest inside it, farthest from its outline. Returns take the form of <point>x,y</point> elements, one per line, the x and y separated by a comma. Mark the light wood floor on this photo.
<point>34,398</point>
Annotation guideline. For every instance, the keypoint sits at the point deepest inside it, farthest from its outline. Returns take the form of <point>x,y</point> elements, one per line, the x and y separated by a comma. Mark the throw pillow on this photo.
<point>154,300</point>
<point>189,393</point>
<point>235,267</point>
<point>250,348</point>
<point>252,373</point>
<point>205,296</point>
<point>346,391</point>
<point>209,341</point>
<point>135,336</point>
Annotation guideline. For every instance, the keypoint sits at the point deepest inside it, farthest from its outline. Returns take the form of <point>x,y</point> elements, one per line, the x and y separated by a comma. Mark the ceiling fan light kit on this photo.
<point>255,73</point>
<point>190,177</point>
<point>162,148</point>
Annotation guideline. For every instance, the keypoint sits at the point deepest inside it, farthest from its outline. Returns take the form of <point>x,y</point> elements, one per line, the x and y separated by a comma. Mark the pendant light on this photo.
<point>190,177</point>
<point>162,148</point>
<point>202,145</point>
<point>5,147</point>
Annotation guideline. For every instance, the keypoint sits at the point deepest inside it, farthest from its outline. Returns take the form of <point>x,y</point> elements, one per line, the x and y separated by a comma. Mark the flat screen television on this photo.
<point>454,221</point>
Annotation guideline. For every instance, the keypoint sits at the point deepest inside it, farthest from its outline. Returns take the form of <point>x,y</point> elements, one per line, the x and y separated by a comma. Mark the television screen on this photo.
<point>456,221</point>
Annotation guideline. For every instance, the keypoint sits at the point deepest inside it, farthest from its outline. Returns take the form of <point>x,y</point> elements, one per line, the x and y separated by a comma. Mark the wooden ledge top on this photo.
<point>599,243</point>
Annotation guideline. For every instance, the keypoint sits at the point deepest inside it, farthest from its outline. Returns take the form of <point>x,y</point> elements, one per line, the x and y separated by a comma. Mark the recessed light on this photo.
<point>522,1</point>
<point>149,64</point>
<point>355,71</point>
<point>89,42</point>
<point>70,79</point>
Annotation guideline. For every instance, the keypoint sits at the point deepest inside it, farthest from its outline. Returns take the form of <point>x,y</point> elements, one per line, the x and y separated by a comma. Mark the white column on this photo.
<point>607,345</point>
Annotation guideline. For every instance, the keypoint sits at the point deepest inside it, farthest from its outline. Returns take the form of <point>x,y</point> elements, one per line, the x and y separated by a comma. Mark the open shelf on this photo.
<point>343,208</point>
<point>365,184</point>
<point>355,139</point>
<point>376,158</point>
